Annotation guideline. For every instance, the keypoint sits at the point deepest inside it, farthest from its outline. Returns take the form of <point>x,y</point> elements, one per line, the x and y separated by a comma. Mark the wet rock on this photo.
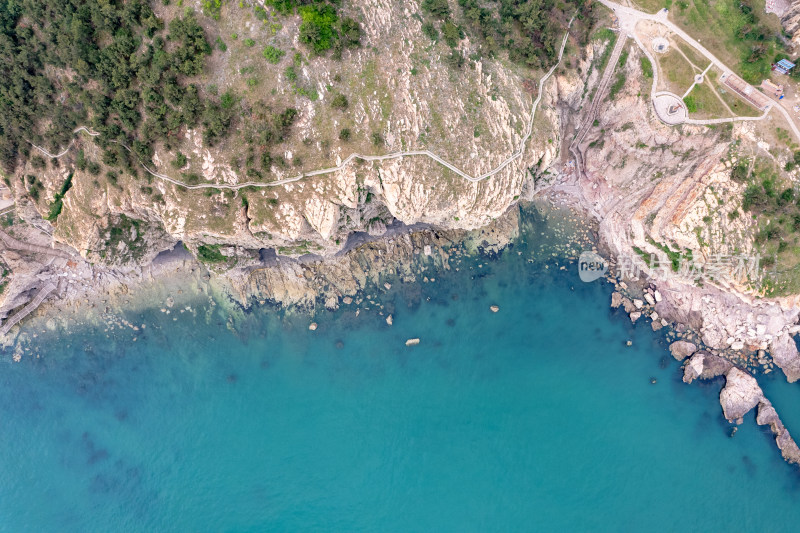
<point>680,350</point>
<point>768,416</point>
<point>636,315</point>
<point>628,305</point>
<point>616,299</point>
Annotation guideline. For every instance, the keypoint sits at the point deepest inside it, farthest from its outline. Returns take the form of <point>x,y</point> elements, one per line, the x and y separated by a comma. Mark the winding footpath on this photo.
<point>395,155</point>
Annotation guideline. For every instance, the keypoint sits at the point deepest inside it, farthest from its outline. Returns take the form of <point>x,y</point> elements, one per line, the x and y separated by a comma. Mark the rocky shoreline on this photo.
<point>174,280</point>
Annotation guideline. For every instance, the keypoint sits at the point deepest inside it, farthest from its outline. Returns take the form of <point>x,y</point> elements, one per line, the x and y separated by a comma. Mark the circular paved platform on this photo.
<point>670,108</point>
<point>660,45</point>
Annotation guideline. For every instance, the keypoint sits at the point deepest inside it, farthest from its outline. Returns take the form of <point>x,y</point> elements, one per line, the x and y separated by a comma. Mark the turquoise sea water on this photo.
<point>537,418</point>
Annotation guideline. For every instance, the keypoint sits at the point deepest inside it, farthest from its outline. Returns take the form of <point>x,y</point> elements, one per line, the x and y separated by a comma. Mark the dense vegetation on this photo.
<point>118,68</point>
<point>321,28</point>
<point>529,30</point>
<point>111,65</point>
<point>771,200</point>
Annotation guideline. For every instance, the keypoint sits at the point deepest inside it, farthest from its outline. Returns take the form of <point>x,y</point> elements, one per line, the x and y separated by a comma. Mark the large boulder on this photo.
<point>740,395</point>
<point>784,353</point>
<point>680,350</point>
<point>705,365</point>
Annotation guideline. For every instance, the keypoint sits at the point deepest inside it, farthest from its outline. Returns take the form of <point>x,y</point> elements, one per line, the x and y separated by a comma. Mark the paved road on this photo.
<point>629,17</point>
<point>396,155</point>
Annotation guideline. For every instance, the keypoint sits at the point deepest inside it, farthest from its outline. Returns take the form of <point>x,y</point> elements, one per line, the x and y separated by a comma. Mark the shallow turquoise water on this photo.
<point>537,418</point>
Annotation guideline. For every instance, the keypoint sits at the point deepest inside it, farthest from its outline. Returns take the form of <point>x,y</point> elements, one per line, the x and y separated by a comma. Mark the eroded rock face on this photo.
<point>784,353</point>
<point>740,395</point>
<point>680,350</point>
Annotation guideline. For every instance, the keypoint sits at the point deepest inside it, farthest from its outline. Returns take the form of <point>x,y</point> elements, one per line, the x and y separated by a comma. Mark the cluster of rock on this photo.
<point>739,396</point>
<point>741,393</point>
<point>346,279</point>
<point>638,307</point>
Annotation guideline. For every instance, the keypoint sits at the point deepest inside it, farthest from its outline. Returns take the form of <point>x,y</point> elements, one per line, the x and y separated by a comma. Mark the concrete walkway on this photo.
<point>28,309</point>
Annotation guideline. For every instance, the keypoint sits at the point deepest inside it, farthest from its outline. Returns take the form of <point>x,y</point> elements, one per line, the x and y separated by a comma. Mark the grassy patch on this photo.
<point>602,61</point>
<point>704,103</point>
<point>58,201</point>
<point>735,31</point>
<point>647,67</point>
<point>273,55</point>
<point>209,253</point>
<point>676,73</point>
<point>674,257</point>
<point>619,80</point>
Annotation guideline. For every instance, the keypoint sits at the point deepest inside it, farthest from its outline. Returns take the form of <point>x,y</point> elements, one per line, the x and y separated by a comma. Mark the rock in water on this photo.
<point>389,320</point>
<point>741,393</point>
<point>785,442</point>
<point>680,350</point>
<point>494,308</point>
<point>312,326</point>
<point>616,299</point>
<point>412,342</point>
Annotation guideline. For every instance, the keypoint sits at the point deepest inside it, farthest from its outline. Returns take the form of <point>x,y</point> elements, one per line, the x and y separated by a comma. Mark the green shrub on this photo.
<point>273,55</point>
<point>209,253</point>
<point>339,101</point>
<point>317,28</point>
<point>647,67</point>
